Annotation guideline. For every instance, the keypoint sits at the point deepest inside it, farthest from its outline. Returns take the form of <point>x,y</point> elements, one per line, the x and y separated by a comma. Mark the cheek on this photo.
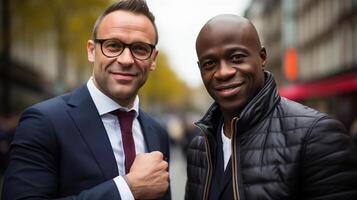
<point>208,82</point>
<point>256,79</point>
<point>250,70</point>
<point>206,77</point>
<point>96,69</point>
<point>99,70</point>
<point>145,70</point>
<point>103,65</point>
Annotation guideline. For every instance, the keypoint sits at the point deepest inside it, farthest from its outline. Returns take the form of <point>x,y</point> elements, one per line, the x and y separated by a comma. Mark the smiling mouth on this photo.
<point>123,76</point>
<point>229,90</point>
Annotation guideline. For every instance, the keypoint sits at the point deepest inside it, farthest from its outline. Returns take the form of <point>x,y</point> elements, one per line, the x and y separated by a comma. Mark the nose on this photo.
<point>125,58</point>
<point>224,71</point>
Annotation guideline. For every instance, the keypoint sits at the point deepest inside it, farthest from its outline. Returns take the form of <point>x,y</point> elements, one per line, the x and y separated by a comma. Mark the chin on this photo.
<point>123,95</point>
<point>232,105</point>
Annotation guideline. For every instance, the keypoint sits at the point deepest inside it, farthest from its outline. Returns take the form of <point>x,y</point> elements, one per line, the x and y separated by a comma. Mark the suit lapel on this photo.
<point>91,128</point>
<point>150,134</point>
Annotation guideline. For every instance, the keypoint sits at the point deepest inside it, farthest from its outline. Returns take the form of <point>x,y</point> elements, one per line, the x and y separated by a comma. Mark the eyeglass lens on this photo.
<point>139,50</point>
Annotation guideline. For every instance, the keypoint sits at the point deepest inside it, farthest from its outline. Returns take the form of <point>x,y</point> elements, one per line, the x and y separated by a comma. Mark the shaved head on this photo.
<point>229,22</point>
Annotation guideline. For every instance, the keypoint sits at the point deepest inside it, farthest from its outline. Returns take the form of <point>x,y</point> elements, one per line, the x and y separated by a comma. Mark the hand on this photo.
<point>149,177</point>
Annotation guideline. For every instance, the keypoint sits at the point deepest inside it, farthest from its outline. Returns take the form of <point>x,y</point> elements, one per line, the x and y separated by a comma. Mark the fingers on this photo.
<point>154,155</point>
<point>154,159</point>
<point>157,154</point>
<point>163,165</point>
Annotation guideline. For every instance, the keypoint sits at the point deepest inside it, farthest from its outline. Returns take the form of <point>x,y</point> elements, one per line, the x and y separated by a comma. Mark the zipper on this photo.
<point>210,165</point>
<point>234,158</point>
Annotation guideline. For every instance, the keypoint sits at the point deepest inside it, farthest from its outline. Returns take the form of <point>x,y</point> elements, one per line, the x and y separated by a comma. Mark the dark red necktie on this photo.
<point>126,123</point>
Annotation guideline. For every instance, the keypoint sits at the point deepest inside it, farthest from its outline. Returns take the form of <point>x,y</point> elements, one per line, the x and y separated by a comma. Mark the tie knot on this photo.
<point>123,114</point>
<point>125,119</point>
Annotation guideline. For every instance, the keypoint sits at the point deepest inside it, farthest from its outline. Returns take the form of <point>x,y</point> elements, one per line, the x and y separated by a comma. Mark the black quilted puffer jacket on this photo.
<point>281,150</point>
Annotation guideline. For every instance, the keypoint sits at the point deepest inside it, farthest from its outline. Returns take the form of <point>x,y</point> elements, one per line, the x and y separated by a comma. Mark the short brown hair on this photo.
<point>134,6</point>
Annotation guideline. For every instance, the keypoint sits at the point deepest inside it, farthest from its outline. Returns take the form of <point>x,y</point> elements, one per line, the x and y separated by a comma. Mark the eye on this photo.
<point>113,45</point>
<point>140,48</point>
<point>237,57</point>
<point>208,64</point>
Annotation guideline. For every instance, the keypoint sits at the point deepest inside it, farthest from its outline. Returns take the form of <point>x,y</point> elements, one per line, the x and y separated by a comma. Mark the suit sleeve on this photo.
<point>33,168</point>
<point>329,168</point>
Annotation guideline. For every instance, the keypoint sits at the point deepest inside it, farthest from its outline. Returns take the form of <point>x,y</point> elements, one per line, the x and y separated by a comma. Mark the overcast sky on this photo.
<point>179,22</point>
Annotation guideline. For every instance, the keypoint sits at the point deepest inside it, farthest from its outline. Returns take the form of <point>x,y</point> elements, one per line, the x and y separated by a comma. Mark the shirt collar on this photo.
<point>105,104</point>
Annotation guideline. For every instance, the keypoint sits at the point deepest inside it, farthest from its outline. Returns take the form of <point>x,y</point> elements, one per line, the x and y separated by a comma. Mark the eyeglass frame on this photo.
<point>125,45</point>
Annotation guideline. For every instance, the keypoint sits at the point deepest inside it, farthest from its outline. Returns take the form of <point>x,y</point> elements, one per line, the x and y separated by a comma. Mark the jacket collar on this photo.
<point>255,111</point>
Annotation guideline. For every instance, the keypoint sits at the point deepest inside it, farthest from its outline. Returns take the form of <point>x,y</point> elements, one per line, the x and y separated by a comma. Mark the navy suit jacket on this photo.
<point>61,150</point>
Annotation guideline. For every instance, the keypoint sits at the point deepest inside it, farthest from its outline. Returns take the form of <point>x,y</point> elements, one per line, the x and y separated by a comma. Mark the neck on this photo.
<point>127,103</point>
<point>227,120</point>
<point>123,102</point>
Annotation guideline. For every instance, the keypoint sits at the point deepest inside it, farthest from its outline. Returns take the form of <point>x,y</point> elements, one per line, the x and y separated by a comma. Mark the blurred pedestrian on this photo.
<point>94,143</point>
<point>256,144</point>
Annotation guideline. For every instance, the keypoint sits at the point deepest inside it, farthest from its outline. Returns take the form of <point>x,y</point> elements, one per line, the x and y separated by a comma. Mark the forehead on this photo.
<point>126,24</point>
<point>225,34</point>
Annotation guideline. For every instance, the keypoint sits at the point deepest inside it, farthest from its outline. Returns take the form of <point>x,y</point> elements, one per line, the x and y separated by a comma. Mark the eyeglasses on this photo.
<point>113,48</point>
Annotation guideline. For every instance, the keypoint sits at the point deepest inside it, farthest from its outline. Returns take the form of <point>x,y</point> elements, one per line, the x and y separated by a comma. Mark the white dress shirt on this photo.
<point>105,105</point>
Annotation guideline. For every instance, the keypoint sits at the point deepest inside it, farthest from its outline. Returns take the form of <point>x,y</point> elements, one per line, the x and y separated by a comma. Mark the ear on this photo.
<point>153,63</point>
<point>263,56</point>
<point>91,50</point>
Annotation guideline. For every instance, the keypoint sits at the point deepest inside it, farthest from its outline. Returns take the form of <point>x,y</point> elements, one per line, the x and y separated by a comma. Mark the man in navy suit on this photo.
<point>71,146</point>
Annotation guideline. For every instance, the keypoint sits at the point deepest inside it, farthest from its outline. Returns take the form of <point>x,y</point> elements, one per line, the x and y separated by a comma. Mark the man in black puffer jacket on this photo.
<point>255,144</point>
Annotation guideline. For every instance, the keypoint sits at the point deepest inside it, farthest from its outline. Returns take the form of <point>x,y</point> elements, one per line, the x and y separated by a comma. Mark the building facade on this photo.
<point>312,48</point>
<point>35,63</point>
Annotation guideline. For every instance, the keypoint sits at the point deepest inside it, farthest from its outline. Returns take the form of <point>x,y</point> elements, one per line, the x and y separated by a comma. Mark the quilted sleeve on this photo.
<point>329,162</point>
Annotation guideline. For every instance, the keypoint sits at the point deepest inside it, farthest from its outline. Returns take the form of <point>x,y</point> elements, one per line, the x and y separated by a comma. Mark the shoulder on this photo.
<point>306,123</point>
<point>318,128</point>
<point>42,109</point>
<point>50,105</point>
<point>56,106</point>
<point>43,114</point>
<point>293,115</point>
<point>306,115</point>
<point>36,125</point>
<point>288,108</point>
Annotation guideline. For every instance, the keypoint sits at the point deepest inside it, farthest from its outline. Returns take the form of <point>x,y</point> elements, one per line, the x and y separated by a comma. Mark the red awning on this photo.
<point>323,88</point>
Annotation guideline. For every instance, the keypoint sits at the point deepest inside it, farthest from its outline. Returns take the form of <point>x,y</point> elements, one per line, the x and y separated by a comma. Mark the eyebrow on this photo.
<point>227,50</point>
<point>235,48</point>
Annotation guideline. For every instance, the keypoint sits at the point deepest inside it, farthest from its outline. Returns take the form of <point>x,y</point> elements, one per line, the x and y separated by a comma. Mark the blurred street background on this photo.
<point>311,47</point>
